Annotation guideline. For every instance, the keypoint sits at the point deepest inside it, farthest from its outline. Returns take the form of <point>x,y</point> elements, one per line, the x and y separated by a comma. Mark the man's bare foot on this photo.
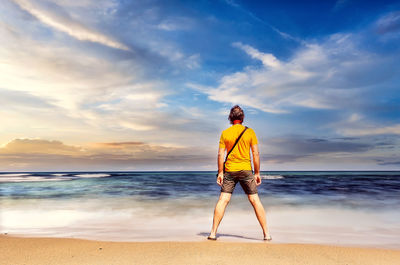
<point>267,238</point>
<point>212,237</point>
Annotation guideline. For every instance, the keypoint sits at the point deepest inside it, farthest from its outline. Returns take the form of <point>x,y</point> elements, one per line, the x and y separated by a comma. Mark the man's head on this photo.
<point>236,114</point>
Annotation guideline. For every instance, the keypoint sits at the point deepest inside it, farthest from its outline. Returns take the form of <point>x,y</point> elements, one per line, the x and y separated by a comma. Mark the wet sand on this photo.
<point>29,250</point>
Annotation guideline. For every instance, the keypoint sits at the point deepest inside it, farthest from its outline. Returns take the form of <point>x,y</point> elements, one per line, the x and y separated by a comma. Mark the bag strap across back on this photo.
<point>237,140</point>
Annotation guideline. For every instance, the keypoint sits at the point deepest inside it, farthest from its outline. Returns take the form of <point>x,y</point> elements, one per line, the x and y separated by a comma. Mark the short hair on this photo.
<point>236,114</point>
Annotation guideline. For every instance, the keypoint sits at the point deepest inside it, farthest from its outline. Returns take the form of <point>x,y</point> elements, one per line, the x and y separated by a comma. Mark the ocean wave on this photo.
<point>59,174</point>
<point>14,175</point>
<point>31,179</point>
<point>272,177</point>
<point>97,175</point>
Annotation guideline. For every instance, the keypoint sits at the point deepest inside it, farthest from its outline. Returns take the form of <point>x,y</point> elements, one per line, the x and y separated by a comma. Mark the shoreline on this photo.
<point>52,250</point>
<point>118,219</point>
<point>202,237</point>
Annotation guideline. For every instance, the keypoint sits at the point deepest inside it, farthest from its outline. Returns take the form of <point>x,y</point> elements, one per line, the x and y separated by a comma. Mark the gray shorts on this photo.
<point>244,177</point>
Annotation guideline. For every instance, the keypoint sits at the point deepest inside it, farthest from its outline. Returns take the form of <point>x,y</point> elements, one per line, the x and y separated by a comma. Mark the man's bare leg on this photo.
<point>219,211</point>
<point>260,213</point>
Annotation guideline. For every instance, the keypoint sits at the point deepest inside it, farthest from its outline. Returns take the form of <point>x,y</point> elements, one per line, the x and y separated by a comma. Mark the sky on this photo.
<point>148,85</point>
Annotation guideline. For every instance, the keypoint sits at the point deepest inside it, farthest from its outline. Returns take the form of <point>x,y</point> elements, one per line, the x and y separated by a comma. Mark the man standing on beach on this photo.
<point>237,168</point>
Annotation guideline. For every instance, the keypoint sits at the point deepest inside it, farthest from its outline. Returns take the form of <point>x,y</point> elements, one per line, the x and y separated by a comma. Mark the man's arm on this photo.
<point>256,163</point>
<point>220,162</point>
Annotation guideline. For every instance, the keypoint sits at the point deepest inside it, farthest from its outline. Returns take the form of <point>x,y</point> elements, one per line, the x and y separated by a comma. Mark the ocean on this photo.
<point>351,208</point>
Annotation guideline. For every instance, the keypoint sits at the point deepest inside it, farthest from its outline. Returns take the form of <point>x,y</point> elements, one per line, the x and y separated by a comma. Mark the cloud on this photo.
<point>309,146</point>
<point>76,92</point>
<point>232,3</point>
<point>39,154</point>
<point>389,23</point>
<point>11,99</point>
<point>120,144</point>
<point>385,162</point>
<point>77,84</point>
<point>90,90</point>
<point>56,17</point>
<point>305,152</point>
<point>299,152</point>
<point>88,93</point>
<point>38,146</point>
<point>334,73</point>
<point>370,129</point>
<point>340,4</point>
<point>175,23</point>
<point>89,97</point>
<point>136,126</point>
<point>268,59</point>
<point>357,125</point>
<point>281,158</point>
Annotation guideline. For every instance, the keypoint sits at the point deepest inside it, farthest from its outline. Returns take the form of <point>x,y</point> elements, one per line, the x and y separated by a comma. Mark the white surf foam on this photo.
<point>121,220</point>
<point>97,175</point>
<point>59,174</point>
<point>30,179</point>
<point>272,177</point>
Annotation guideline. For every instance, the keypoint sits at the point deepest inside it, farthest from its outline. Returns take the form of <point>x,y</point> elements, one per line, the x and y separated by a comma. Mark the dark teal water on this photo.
<point>350,188</point>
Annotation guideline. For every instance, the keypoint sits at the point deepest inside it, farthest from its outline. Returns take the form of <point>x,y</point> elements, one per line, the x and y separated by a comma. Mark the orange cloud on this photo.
<point>118,144</point>
<point>25,146</point>
<point>42,155</point>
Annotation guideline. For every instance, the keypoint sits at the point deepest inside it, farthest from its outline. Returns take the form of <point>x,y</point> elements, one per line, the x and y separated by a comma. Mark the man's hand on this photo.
<point>256,163</point>
<point>220,178</point>
<point>258,178</point>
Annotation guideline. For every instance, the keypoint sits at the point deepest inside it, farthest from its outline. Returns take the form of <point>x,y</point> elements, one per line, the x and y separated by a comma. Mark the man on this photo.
<point>238,169</point>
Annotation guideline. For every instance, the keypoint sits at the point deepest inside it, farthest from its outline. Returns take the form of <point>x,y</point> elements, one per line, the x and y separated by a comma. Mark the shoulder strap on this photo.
<point>237,140</point>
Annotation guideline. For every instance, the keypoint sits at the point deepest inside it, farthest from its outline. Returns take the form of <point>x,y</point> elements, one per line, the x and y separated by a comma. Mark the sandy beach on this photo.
<point>24,250</point>
<point>165,217</point>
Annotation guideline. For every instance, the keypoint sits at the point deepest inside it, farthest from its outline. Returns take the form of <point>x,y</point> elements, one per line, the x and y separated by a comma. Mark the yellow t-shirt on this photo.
<point>239,158</point>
